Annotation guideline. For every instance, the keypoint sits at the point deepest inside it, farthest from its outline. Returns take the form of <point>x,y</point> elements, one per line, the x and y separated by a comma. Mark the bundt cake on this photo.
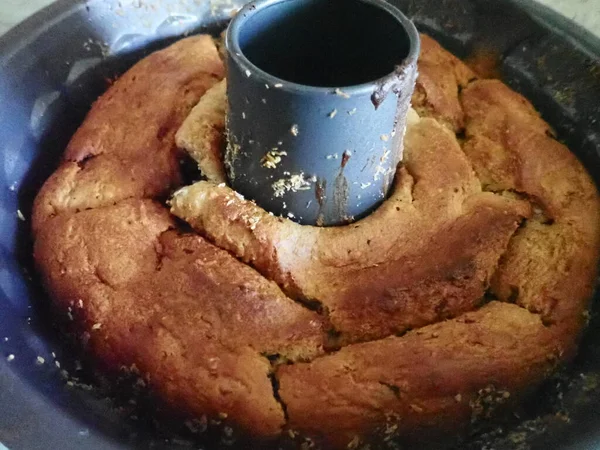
<point>455,299</point>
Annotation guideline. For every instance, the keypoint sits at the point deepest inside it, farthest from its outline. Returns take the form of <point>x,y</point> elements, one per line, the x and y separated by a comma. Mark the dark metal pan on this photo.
<point>54,65</point>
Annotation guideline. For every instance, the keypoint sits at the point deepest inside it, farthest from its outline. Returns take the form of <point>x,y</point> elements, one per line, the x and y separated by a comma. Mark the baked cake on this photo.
<point>454,300</point>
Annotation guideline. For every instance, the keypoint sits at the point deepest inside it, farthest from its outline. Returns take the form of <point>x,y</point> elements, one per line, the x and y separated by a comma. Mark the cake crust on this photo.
<point>202,133</point>
<point>374,277</point>
<point>125,147</point>
<point>379,329</point>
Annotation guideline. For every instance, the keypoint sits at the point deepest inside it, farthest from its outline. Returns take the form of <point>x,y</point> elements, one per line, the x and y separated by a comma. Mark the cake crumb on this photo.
<point>10,357</point>
<point>379,170</point>
<point>96,326</point>
<point>332,114</point>
<point>39,360</point>
<point>307,444</point>
<point>352,112</point>
<point>197,426</point>
<point>390,428</point>
<point>416,408</point>
<point>354,443</point>
<point>272,158</point>
<point>587,317</point>
<point>487,401</point>
<point>341,93</point>
<point>385,156</point>
<point>278,85</point>
<point>20,215</point>
<point>294,130</point>
<point>248,73</point>
<point>294,183</point>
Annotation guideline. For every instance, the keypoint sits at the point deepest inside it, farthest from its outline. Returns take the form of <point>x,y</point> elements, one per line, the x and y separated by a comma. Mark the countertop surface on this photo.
<point>584,12</point>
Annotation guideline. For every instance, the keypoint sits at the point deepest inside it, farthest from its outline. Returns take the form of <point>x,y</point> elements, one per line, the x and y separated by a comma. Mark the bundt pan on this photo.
<point>53,66</point>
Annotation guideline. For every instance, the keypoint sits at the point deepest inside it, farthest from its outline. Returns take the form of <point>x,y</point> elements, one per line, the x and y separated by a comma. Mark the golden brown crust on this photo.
<point>551,263</point>
<point>427,380</point>
<point>147,104</point>
<point>199,324</point>
<point>96,246</point>
<point>244,307</point>
<point>102,181</point>
<point>193,320</point>
<point>376,277</point>
<point>202,133</point>
<point>126,147</point>
<point>441,77</point>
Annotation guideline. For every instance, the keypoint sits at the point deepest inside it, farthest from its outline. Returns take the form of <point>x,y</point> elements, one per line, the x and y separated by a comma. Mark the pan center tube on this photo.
<point>318,93</point>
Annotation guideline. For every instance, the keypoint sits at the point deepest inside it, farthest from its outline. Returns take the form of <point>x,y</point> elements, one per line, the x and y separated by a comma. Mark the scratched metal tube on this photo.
<point>318,94</point>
